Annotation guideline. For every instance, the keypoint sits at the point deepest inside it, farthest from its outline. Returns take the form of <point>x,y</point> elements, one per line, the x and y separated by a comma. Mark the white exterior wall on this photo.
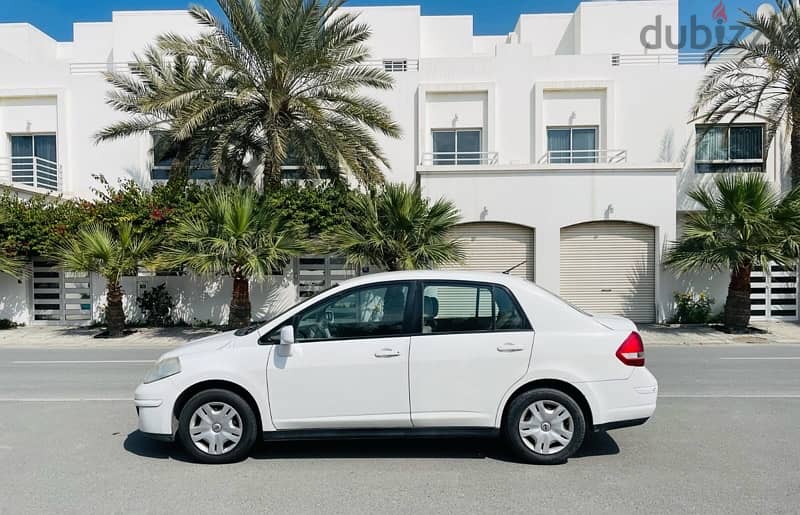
<point>14,299</point>
<point>552,69</point>
<point>547,199</point>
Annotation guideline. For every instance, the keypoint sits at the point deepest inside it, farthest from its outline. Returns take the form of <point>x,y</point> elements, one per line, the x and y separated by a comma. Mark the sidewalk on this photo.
<point>60,336</point>
<point>776,332</point>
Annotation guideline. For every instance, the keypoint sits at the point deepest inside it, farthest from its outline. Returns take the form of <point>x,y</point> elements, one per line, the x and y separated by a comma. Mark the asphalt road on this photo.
<point>724,440</point>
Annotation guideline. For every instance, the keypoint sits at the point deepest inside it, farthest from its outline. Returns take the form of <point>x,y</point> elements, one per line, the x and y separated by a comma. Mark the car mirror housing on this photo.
<point>286,341</point>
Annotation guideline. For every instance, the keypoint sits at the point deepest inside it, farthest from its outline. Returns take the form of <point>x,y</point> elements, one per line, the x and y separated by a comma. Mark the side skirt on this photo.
<point>378,433</point>
<point>620,424</point>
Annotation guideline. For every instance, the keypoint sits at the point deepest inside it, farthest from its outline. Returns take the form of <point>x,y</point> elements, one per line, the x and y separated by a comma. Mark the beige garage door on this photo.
<point>495,247</point>
<point>609,268</point>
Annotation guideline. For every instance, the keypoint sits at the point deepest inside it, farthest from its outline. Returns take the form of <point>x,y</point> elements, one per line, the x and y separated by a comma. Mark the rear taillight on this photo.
<point>631,352</point>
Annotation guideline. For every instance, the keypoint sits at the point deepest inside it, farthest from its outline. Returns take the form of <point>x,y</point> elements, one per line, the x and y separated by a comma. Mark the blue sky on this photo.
<point>55,17</point>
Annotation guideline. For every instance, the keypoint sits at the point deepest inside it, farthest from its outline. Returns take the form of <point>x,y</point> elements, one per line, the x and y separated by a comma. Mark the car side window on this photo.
<point>456,308</point>
<point>507,314</point>
<point>464,308</point>
<point>370,311</point>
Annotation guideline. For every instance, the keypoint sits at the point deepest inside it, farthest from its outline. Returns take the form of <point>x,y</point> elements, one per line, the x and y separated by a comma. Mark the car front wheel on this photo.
<point>217,426</point>
<point>544,426</point>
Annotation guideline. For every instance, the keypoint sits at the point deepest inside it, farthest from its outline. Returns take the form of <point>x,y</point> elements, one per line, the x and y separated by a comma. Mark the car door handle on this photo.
<point>510,347</point>
<point>387,353</point>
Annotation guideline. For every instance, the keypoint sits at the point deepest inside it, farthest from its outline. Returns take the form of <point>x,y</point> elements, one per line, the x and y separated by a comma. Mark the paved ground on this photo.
<point>724,440</point>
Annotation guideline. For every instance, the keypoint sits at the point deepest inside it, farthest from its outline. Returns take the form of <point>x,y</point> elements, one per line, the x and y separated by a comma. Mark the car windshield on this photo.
<point>256,325</point>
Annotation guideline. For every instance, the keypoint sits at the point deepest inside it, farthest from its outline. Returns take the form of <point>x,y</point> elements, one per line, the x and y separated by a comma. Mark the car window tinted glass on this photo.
<point>507,314</point>
<point>456,308</point>
<point>370,311</point>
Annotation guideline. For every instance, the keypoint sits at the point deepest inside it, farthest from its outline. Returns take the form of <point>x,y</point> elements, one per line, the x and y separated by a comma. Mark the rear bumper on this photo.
<point>624,403</point>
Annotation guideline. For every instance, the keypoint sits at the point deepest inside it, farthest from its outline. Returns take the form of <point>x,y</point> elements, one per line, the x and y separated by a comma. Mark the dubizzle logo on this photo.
<point>694,37</point>
<point>719,14</point>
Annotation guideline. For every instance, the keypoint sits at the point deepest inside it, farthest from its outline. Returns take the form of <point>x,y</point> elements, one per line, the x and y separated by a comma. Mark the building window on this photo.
<point>34,160</point>
<point>572,144</point>
<point>457,147</point>
<point>200,168</point>
<point>732,148</point>
<point>395,65</point>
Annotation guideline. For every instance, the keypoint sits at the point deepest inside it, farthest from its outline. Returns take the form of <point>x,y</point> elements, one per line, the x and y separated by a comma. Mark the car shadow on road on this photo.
<point>596,444</point>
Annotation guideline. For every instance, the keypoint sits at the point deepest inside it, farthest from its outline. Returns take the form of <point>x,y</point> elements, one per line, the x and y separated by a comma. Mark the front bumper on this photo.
<point>154,410</point>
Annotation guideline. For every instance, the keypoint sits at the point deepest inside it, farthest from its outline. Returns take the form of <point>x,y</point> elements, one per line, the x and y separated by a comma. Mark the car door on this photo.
<point>349,365</point>
<point>475,344</point>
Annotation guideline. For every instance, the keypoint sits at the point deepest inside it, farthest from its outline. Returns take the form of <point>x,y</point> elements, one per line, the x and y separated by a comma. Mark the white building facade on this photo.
<point>566,144</point>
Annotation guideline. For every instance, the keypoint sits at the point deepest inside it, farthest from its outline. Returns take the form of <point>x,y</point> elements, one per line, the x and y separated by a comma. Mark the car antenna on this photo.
<point>514,267</point>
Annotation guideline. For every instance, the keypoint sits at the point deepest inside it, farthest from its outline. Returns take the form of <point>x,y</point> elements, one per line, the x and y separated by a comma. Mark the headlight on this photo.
<point>164,368</point>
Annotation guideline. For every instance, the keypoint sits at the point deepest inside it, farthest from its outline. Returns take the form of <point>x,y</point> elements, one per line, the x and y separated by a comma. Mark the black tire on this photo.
<point>517,409</point>
<point>249,426</point>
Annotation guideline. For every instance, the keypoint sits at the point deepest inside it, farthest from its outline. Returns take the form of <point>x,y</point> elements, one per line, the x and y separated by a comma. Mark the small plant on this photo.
<point>157,305</point>
<point>202,324</point>
<point>692,308</point>
<point>8,324</point>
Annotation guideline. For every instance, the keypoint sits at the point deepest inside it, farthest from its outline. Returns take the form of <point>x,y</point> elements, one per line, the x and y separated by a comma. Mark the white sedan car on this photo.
<point>423,353</point>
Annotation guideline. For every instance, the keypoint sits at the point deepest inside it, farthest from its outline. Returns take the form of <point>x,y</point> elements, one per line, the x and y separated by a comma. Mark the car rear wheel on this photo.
<point>544,426</point>
<point>217,426</point>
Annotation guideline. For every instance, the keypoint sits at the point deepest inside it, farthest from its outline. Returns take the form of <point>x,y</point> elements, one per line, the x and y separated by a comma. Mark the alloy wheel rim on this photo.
<point>546,427</point>
<point>215,428</point>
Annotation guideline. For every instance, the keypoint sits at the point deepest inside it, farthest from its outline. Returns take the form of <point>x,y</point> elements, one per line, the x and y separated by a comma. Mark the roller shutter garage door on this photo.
<point>609,268</point>
<point>495,247</point>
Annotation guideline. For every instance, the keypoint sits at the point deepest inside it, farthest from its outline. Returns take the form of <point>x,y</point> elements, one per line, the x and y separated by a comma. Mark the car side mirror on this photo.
<point>286,341</point>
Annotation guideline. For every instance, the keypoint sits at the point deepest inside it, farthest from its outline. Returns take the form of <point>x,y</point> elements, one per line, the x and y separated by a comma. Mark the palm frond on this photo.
<point>397,228</point>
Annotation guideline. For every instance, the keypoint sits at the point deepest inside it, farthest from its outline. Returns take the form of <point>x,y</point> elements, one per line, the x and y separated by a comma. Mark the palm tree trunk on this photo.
<point>737,305</point>
<point>795,156</point>
<point>240,303</point>
<point>115,315</point>
<point>272,174</point>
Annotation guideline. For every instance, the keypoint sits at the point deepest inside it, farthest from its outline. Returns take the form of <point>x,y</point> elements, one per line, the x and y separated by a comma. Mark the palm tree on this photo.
<point>744,224</point>
<point>397,229</point>
<point>761,77</point>
<point>10,265</point>
<point>284,79</point>
<point>232,233</point>
<point>140,94</point>
<point>112,253</point>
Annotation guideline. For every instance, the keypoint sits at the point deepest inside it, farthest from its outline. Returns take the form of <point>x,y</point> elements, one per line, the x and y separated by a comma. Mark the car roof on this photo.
<point>442,275</point>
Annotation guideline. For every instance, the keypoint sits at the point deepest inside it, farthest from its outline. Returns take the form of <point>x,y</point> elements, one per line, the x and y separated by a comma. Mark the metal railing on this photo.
<point>398,64</point>
<point>671,58</point>
<point>91,68</point>
<point>31,171</point>
<point>584,156</point>
<point>395,64</point>
<point>459,158</point>
<point>197,172</point>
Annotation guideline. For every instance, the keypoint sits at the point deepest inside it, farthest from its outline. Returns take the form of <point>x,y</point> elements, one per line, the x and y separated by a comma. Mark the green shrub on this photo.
<point>692,308</point>
<point>157,305</point>
<point>8,324</point>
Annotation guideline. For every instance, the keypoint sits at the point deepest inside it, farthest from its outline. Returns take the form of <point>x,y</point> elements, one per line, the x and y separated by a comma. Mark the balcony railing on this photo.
<point>584,156</point>
<point>390,64</point>
<point>671,58</point>
<point>459,158</point>
<point>31,171</point>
